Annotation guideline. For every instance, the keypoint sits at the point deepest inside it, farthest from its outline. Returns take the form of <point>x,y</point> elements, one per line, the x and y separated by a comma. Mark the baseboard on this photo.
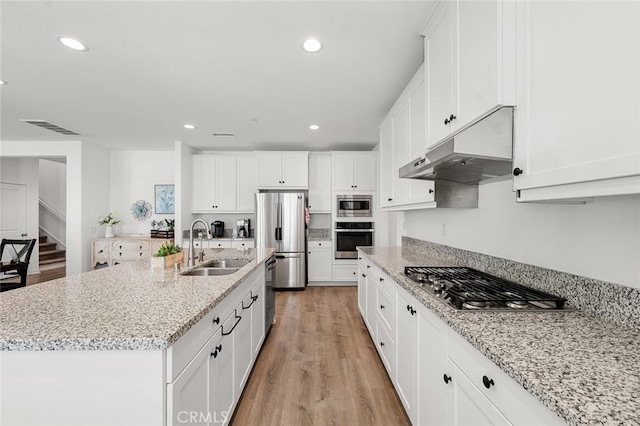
<point>332,284</point>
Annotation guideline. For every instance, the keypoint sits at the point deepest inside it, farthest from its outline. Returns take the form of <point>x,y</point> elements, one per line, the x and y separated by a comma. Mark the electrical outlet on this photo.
<point>444,229</point>
<point>93,229</point>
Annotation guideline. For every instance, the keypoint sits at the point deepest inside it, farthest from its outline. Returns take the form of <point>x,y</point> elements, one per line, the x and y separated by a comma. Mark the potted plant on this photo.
<point>109,220</point>
<point>168,255</point>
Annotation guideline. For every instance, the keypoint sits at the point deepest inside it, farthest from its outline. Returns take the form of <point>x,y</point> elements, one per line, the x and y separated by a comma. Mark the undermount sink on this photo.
<point>231,263</point>
<point>206,272</point>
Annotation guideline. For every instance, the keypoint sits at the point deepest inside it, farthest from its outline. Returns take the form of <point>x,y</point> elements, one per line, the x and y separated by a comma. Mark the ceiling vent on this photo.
<point>50,126</point>
<point>224,135</point>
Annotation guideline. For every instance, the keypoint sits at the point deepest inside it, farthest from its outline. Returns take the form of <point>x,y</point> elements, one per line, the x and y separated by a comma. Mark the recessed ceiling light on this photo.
<point>72,43</point>
<point>312,45</point>
<point>3,83</point>
<point>314,127</point>
<point>189,126</point>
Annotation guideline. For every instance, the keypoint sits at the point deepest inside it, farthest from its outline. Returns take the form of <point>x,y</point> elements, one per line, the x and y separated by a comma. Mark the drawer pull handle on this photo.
<point>487,382</point>
<point>238,317</point>
<point>446,378</point>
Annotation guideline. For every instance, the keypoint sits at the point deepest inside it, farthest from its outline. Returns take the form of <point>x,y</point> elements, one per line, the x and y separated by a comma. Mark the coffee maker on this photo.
<point>243,226</point>
<point>217,229</point>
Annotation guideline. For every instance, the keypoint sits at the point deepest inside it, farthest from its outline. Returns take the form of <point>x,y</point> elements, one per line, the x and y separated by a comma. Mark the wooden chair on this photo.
<point>20,252</point>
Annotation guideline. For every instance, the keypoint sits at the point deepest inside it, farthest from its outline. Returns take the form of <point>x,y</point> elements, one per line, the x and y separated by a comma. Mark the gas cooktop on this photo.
<point>468,289</point>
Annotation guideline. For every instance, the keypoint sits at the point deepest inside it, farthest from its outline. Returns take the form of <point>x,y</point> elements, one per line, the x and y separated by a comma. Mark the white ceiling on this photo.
<point>229,66</point>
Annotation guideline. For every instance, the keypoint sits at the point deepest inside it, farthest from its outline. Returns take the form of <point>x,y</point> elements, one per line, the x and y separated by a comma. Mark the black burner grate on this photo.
<point>463,285</point>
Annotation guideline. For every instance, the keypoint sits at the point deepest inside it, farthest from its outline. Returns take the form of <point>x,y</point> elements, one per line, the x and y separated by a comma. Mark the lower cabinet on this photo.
<point>208,388</point>
<point>320,261</point>
<point>440,378</point>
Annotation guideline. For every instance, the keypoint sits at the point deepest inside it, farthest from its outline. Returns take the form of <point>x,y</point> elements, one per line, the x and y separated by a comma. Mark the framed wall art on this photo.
<point>165,199</point>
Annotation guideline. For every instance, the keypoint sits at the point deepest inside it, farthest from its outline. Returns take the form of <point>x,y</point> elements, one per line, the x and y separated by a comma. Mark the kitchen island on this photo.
<point>110,346</point>
<point>581,367</point>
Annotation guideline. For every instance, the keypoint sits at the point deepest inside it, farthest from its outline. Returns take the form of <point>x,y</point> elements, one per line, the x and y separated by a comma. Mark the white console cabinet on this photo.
<point>117,250</point>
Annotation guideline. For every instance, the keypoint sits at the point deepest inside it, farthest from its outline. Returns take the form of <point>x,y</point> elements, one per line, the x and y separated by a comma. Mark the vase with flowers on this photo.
<point>109,220</point>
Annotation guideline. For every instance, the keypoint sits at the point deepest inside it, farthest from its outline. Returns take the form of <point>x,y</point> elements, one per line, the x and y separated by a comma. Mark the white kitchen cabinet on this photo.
<point>470,63</point>
<point>577,127</point>
<point>319,185</point>
<point>362,289</point>
<point>242,346</point>
<point>221,389</point>
<point>402,139</point>
<point>188,393</point>
<point>258,318</point>
<point>213,183</point>
<point>319,261</point>
<point>406,352</point>
<point>242,244</point>
<point>283,170</point>
<point>353,171</point>
<point>346,272</point>
<point>246,183</point>
<point>214,243</point>
<point>430,367</point>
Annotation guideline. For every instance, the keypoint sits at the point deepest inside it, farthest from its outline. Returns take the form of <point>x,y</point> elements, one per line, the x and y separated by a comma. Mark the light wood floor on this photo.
<point>319,367</point>
<point>46,275</point>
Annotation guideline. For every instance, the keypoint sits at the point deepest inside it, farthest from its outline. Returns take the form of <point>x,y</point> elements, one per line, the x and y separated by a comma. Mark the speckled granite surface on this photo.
<point>320,234</point>
<point>606,300</point>
<point>124,307</point>
<point>584,368</point>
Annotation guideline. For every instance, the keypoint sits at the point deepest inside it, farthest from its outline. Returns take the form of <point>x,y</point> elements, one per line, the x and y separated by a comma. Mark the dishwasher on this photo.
<point>270,295</point>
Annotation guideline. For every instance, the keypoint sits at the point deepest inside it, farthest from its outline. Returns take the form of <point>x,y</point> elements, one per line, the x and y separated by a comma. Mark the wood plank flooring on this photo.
<point>43,276</point>
<point>319,367</point>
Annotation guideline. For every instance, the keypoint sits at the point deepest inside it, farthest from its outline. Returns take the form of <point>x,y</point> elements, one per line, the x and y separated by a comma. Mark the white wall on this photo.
<point>53,191</point>
<point>133,176</point>
<point>598,240</point>
<point>25,171</point>
<point>182,160</point>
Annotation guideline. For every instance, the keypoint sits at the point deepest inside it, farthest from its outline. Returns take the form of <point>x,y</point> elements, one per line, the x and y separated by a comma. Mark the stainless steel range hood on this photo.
<point>480,151</point>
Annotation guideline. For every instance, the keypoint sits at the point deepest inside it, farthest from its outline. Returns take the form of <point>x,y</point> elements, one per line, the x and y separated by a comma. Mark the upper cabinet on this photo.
<point>246,183</point>
<point>278,170</point>
<point>402,139</point>
<point>577,127</point>
<point>213,183</point>
<point>470,63</point>
<point>354,171</point>
<point>319,185</point>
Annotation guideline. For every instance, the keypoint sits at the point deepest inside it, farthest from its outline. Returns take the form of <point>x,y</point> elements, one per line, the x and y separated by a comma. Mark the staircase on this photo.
<point>50,256</point>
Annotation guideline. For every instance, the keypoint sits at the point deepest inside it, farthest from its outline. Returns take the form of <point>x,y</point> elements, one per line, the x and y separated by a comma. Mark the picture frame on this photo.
<point>164,195</point>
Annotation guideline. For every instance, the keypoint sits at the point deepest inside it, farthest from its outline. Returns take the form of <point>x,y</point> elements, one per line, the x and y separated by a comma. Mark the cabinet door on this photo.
<point>269,170</point>
<point>579,124</point>
<point>188,393</point>
<point>418,189</point>
<point>466,405</point>
<point>320,264</point>
<point>406,351</point>
<point>243,244</point>
<point>319,185</point>
<point>221,387</point>
<point>372,298</point>
<point>295,170</point>
<point>226,178</point>
<point>431,368</point>
<point>439,60</point>
<point>386,164</point>
<point>362,289</point>
<point>342,169</point>
<point>242,348</point>
<point>479,47</point>
<point>246,184</point>
<point>203,182</point>
<point>257,318</point>
<point>400,153</point>
<point>365,171</point>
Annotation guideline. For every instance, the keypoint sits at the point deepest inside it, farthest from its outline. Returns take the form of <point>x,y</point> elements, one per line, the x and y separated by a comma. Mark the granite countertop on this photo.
<point>124,307</point>
<point>583,368</point>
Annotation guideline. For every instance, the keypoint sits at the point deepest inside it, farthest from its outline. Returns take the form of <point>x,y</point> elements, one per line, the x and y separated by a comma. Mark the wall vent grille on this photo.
<point>224,135</point>
<point>50,126</point>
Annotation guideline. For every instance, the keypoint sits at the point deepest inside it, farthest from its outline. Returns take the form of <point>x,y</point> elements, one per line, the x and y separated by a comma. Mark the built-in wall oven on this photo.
<point>354,206</point>
<point>350,235</point>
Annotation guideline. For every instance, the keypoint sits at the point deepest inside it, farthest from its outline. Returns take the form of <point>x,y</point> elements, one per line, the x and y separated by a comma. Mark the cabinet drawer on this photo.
<point>220,244</point>
<point>130,255</point>
<point>385,308</point>
<point>385,346</point>
<point>242,244</point>
<point>518,405</point>
<point>130,246</point>
<point>101,250</point>
<point>319,244</point>
<point>345,272</point>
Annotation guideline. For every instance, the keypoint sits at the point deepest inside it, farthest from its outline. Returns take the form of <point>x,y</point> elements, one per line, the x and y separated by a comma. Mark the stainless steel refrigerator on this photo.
<point>280,224</point>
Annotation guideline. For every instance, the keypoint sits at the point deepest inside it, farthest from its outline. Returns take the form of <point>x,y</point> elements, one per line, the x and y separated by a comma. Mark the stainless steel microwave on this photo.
<point>354,206</point>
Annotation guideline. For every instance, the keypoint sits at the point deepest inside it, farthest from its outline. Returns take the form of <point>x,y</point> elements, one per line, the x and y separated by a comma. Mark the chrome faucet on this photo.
<point>191,260</point>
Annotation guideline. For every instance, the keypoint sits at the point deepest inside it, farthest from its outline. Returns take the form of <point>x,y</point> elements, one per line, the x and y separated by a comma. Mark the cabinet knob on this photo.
<point>446,121</point>
<point>381,279</point>
<point>368,266</point>
<point>431,191</point>
<point>389,199</point>
<point>487,382</point>
<point>364,275</point>
<point>517,171</point>
<point>381,306</point>
<point>354,273</point>
<point>216,320</point>
<point>381,344</point>
<point>309,252</point>
<point>101,251</point>
<point>446,378</point>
